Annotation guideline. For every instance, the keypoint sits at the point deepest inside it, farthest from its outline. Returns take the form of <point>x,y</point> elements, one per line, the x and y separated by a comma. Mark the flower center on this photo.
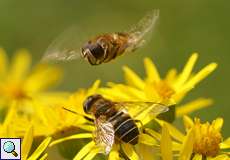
<point>207,139</point>
<point>164,90</point>
<point>14,91</point>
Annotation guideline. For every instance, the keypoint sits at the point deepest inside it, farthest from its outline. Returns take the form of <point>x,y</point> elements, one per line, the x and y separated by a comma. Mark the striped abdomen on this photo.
<point>125,128</point>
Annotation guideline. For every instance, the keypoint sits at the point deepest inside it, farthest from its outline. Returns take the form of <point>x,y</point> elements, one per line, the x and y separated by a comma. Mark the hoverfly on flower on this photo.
<point>103,47</point>
<point>113,121</point>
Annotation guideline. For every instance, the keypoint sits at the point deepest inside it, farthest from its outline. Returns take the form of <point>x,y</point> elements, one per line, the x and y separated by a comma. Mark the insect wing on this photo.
<point>136,109</point>
<point>67,46</point>
<point>104,135</point>
<point>141,32</point>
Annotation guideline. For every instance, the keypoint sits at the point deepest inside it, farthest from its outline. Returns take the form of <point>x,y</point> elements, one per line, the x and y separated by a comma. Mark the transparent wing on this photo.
<point>137,108</point>
<point>65,47</point>
<point>142,31</point>
<point>68,45</point>
<point>104,135</point>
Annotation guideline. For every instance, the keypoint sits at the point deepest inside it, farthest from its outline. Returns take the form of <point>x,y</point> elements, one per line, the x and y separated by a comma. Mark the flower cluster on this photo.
<point>29,109</point>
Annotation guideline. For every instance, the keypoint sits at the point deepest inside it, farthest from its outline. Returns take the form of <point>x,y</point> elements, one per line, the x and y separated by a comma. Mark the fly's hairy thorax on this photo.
<point>115,45</point>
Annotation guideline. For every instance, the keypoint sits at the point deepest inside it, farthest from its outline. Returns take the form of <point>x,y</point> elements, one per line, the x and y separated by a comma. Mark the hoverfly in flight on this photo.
<point>103,47</point>
<point>113,121</point>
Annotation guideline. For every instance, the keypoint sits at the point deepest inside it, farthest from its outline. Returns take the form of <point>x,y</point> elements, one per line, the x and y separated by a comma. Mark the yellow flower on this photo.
<point>25,90</point>
<point>208,141</point>
<point>168,90</point>
<point>18,83</point>
<point>201,140</point>
<point>58,120</point>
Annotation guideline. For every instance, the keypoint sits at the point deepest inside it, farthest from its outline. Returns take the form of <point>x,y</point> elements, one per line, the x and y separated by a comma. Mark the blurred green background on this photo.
<point>185,27</point>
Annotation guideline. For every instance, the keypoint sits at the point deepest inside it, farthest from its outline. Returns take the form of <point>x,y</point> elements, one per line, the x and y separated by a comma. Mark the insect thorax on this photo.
<point>105,109</point>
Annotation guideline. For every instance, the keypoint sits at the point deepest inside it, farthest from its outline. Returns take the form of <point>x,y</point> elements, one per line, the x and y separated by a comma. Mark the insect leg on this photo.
<point>122,154</point>
<point>142,126</point>
<point>142,129</point>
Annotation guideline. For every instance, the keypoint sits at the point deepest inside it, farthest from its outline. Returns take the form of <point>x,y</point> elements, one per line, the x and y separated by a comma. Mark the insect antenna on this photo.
<point>86,117</point>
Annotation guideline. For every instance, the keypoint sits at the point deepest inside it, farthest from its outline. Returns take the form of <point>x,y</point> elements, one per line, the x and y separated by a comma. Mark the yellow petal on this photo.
<point>40,149</point>
<point>131,92</point>
<point>114,154</point>
<point>44,157</point>
<point>84,151</point>
<point>151,93</point>
<point>188,122</point>
<point>9,119</point>
<point>129,151</point>
<point>187,146</point>
<point>144,118</point>
<point>146,139</point>
<point>225,144</point>
<point>27,142</point>
<point>186,71</point>
<point>166,144</point>
<point>20,65</point>
<point>147,152</point>
<point>86,127</point>
<point>39,110</point>
<point>176,146</point>
<point>193,106</point>
<point>94,87</point>
<point>153,133</point>
<point>221,157</point>
<point>92,154</point>
<point>174,132</point>
<point>151,71</point>
<point>198,77</point>
<point>3,62</point>
<point>218,123</point>
<point>43,77</point>
<point>132,78</point>
<point>114,94</point>
<point>197,157</point>
<point>76,136</point>
<point>171,76</point>
<point>10,114</point>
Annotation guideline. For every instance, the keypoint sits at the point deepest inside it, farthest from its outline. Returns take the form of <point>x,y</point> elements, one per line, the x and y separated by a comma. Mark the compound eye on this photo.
<point>89,102</point>
<point>85,107</point>
<point>97,51</point>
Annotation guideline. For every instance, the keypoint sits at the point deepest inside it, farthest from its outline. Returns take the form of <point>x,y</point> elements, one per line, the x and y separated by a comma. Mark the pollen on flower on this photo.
<point>207,139</point>
<point>14,91</point>
<point>164,89</point>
